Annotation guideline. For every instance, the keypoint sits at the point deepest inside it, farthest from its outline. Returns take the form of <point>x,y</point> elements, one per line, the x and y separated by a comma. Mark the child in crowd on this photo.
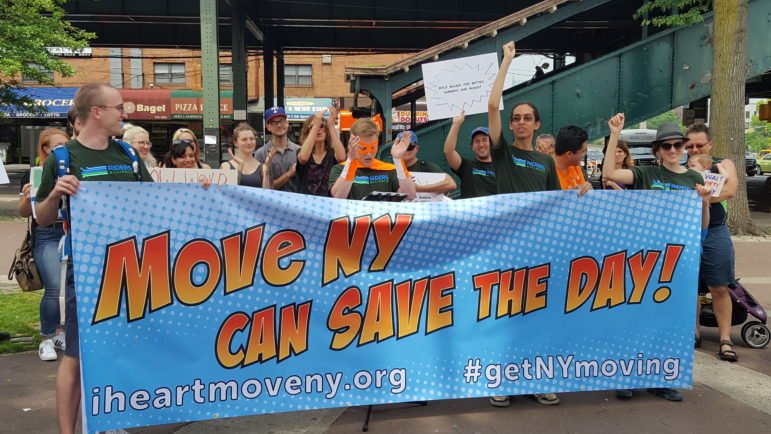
<point>700,162</point>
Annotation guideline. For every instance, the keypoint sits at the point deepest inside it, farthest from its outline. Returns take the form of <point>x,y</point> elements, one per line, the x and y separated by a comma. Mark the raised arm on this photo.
<point>451,142</point>
<point>609,171</point>
<point>304,154</point>
<point>406,184</point>
<point>493,104</point>
<point>266,175</point>
<point>334,135</point>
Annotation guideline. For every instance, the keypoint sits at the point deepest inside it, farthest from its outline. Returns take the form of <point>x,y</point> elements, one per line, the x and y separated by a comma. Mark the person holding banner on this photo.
<point>251,172</point>
<point>518,168</point>
<point>415,165</point>
<point>94,157</point>
<point>187,134</point>
<point>477,177</point>
<point>670,175</point>
<point>362,173</point>
<point>321,150</point>
<point>718,257</point>
<point>45,250</point>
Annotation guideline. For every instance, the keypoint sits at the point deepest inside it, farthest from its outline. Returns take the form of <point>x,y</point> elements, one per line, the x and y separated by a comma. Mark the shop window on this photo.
<point>226,74</point>
<point>43,69</point>
<point>169,73</point>
<point>298,75</point>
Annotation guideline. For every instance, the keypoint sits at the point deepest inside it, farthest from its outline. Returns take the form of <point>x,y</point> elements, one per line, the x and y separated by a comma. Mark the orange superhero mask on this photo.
<point>368,147</point>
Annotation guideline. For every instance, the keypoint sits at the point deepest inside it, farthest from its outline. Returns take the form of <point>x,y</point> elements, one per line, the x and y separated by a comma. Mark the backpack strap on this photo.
<point>62,155</point>
<point>133,156</point>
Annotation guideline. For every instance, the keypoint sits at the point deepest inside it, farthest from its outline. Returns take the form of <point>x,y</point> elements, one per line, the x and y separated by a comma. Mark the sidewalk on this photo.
<point>726,398</point>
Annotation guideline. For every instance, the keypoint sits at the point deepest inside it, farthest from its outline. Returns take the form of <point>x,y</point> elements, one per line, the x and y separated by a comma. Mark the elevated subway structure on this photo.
<point>658,72</point>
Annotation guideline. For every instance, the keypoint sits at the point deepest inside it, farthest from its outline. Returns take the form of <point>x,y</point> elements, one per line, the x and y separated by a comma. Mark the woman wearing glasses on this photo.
<point>251,172</point>
<point>139,139</point>
<point>668,175</point>
<point>321,150</point>
<point>187,134</point>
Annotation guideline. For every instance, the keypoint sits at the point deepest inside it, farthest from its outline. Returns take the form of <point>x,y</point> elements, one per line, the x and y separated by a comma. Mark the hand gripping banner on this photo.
<point>208,303</point>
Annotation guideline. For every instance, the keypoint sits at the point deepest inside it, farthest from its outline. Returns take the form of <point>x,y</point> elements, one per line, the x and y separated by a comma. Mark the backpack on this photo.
<point>62,155</point>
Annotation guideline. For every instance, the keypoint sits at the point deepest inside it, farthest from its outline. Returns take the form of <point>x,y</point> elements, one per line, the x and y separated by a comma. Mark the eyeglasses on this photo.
<point>669,146</point>
<point>277,122</point>
<point>143,144</point>
<point>518,118</point>
<point>697,146</point>
<point>118,107</point>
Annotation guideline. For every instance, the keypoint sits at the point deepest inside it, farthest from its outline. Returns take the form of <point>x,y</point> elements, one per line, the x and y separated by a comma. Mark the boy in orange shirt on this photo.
<point>569,150</point>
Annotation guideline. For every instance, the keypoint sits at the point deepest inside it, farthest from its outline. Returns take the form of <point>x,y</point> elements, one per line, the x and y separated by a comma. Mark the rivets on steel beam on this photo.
<point>494,33</point>
<point>523,21</point>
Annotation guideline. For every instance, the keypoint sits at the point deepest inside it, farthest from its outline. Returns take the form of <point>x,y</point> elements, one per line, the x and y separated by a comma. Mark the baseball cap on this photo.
<point>273,112</point>
<point>477,130</point>
<point>413,136</point>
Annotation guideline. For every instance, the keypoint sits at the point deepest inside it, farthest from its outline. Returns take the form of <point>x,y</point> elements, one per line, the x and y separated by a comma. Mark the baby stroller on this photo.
<point>754,333</point>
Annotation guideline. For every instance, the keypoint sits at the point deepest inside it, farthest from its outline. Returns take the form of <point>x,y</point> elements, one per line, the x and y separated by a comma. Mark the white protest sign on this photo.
<point>714,181</point>
<point>459,84</point>
<point>3,174</point>
<point>428,178</point>
<point>213,176</point>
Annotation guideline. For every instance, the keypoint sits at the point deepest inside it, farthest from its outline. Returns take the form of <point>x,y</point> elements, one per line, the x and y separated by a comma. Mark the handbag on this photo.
<point>23,267</point>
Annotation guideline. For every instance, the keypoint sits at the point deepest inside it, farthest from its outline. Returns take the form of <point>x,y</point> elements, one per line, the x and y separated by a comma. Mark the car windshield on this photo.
<point>640,151</point>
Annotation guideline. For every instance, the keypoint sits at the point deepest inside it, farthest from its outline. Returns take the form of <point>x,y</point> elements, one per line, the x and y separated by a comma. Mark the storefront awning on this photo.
<point>55,100</point>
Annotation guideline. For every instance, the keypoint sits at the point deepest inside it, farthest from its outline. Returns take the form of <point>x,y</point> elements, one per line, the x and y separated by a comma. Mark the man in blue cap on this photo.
<point>477,177</point>
<point>415,165</point>
<point>285,160</point>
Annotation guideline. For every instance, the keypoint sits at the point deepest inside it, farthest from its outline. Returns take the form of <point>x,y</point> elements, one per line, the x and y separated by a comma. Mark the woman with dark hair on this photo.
<point>187,134</point>
<point>621,160</point>
<point>45,250</point>
<point>251,172</point>
<point>181,155</point>
<point>321,150</point>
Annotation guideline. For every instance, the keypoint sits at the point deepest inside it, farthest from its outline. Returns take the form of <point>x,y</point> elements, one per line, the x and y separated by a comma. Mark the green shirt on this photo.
<point>518,171</point>
<point>86,164</point>
<point>477,178</point>
<point>367,181</point>
<point>660,178</point>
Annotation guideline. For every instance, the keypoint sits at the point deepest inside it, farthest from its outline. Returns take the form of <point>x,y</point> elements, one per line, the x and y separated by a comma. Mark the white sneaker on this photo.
<point>59,342</point>
<point>46,351</point>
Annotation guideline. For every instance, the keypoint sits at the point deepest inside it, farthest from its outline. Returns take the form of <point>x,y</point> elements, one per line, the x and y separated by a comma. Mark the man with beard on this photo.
<point>477,177</point>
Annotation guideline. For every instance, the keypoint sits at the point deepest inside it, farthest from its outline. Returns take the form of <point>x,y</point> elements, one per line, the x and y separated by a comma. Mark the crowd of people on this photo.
<point>321,165</point>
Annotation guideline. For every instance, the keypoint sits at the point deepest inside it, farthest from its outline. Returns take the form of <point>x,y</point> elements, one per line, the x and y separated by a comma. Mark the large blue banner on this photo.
<point>208,303</point>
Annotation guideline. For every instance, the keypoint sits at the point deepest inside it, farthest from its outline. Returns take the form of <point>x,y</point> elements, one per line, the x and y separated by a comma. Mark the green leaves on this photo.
<point>668,13</point>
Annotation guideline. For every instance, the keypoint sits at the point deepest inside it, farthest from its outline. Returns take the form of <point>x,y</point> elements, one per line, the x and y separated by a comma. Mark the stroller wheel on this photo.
<point>755,334</point>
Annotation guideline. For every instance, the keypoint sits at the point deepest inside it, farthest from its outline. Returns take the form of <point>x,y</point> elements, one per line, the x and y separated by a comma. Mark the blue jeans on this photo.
<point>46,253</point>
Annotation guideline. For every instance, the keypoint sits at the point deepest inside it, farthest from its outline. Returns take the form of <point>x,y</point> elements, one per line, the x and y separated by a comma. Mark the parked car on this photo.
<point>752,164</point>
<point>639,142</point>
<point>764,164</point>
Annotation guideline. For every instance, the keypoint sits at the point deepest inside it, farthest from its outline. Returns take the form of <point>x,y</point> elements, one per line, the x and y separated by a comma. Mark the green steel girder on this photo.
<point>381,88</point>
<point>667,70</point>
<point>211,93</point>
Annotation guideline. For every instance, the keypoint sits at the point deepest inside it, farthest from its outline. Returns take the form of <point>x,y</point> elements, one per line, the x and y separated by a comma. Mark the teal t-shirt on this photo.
<point>86,164</point>
<point>477,178</point>
<point>519,171</point>
<point>367,181</point>
<point>660,178</point>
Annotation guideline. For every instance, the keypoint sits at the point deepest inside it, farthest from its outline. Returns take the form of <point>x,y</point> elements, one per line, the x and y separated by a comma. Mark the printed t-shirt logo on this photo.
<point>658,185</point>
<point>374,179</point>
<point>112,169</point>
<point>482,172</point>
<point>528,164</point>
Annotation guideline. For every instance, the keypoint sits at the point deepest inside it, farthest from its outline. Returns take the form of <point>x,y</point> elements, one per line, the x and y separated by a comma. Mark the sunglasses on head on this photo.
<point>668,146</point>
<point>182,142</point>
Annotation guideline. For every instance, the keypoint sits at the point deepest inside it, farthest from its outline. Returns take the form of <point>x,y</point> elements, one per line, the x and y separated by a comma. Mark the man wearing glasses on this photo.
<point>93,157</point>
<point>717,258</point>
<point>285,160</point>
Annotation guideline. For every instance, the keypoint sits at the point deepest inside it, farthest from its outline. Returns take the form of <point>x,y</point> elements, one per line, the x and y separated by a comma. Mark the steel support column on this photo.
<point>211,80</point>
<point>267,73</point>
<point>238,65</point>
<point>280,77</point>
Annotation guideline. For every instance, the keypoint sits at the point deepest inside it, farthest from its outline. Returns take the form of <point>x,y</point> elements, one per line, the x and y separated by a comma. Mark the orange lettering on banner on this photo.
<point>122,270</point>
<point>281,245</point>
